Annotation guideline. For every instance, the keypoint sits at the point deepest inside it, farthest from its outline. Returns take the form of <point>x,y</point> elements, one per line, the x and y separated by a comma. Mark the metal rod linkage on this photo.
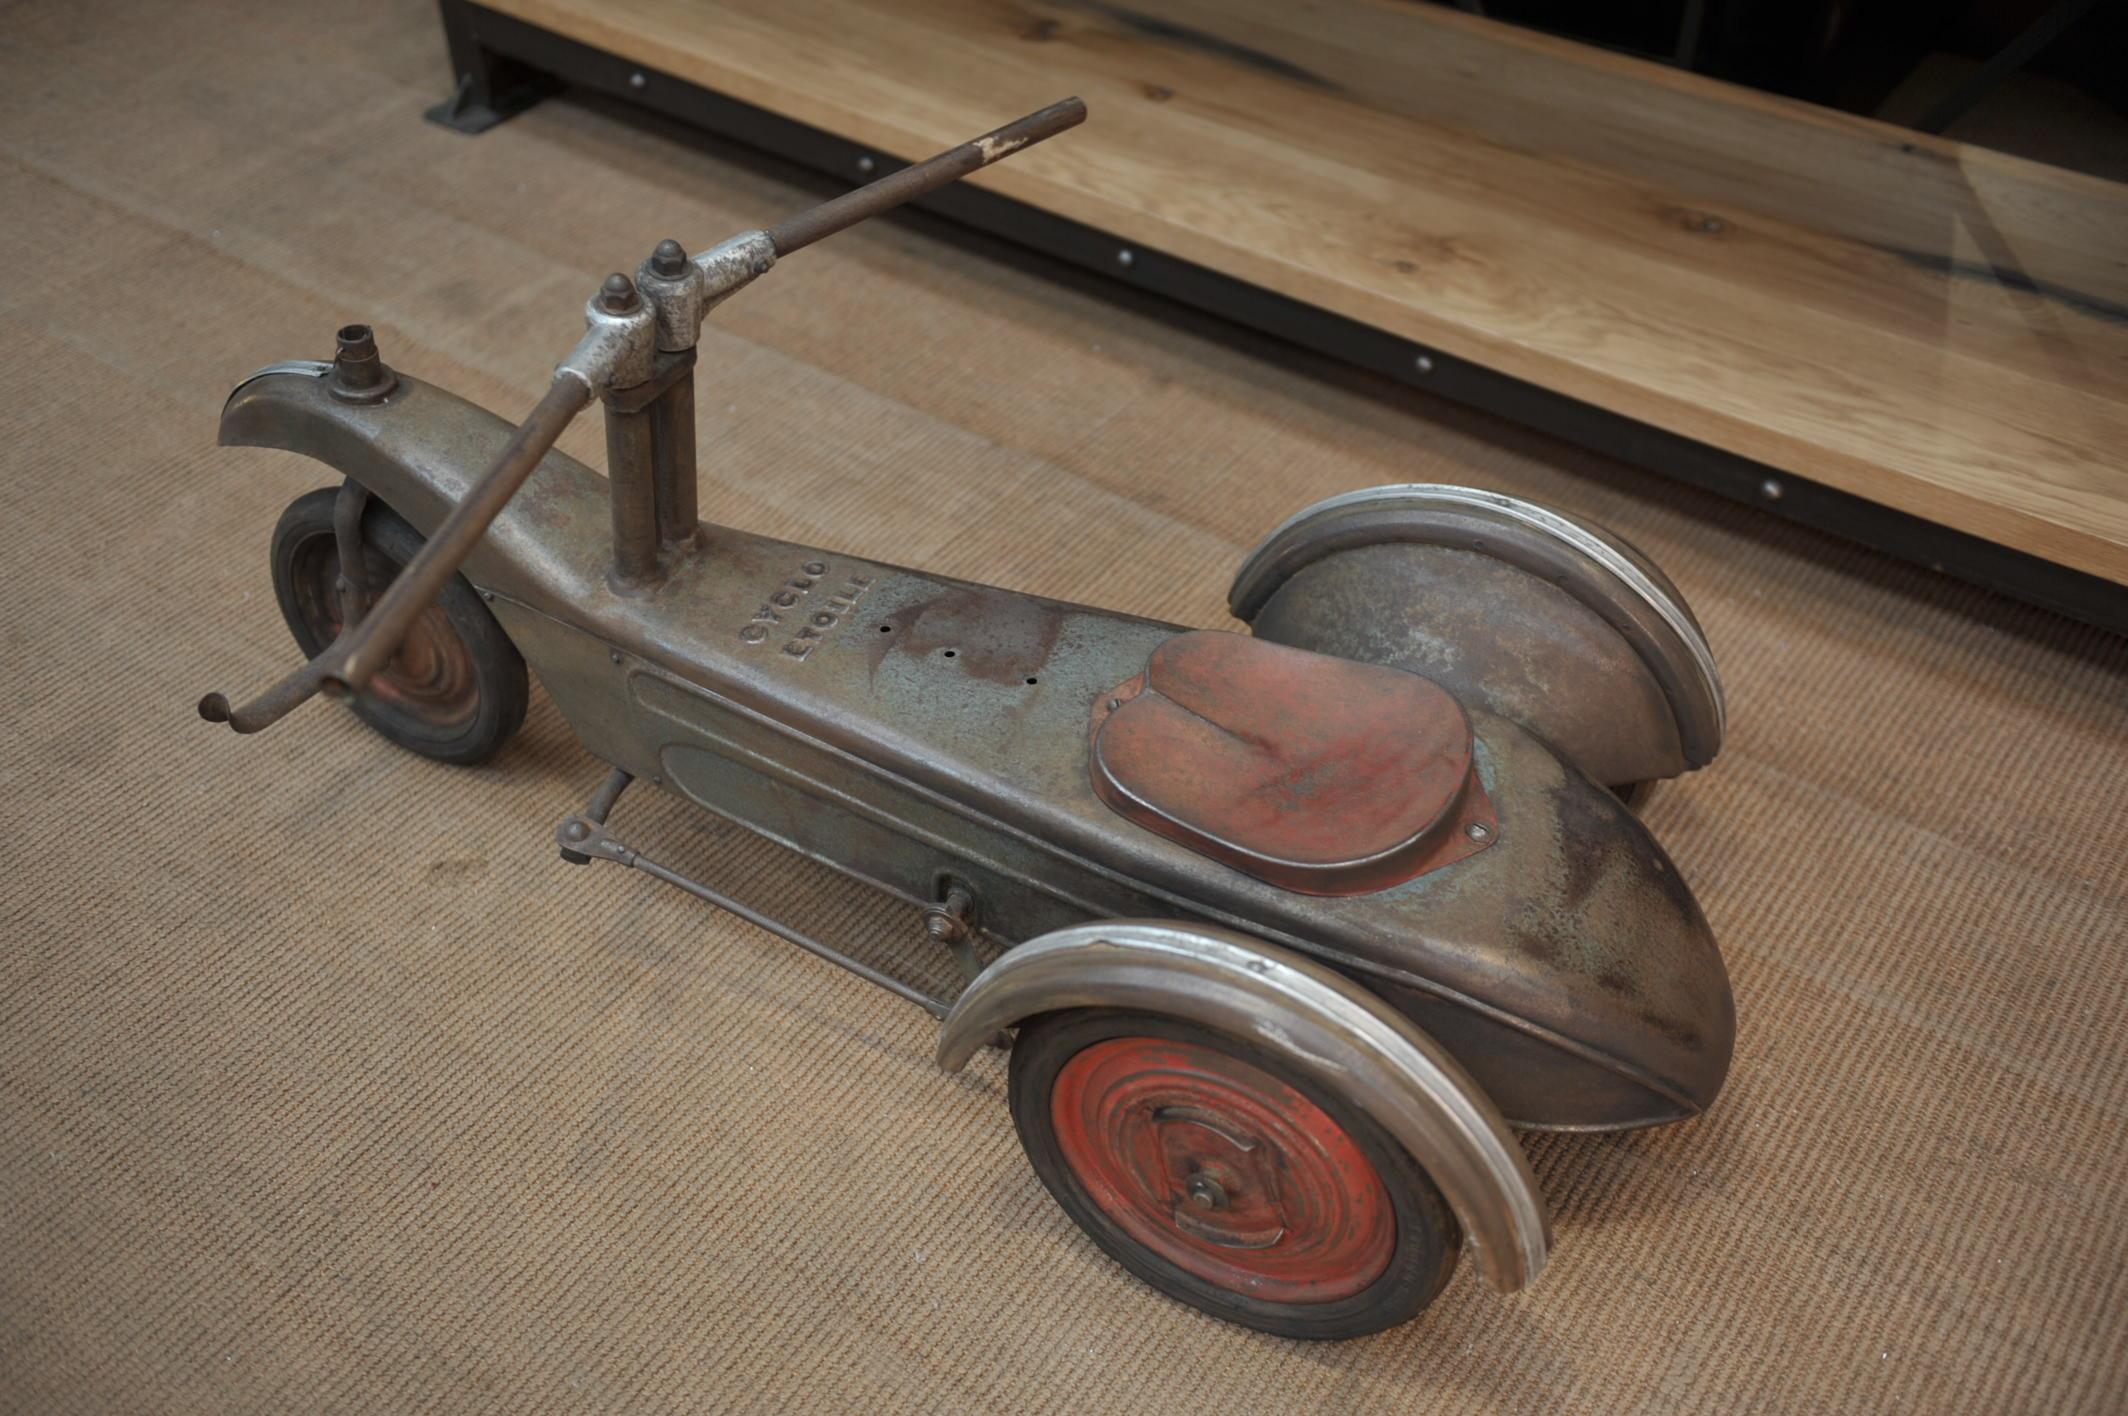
<point>892,190</point>
<point>583,838</point>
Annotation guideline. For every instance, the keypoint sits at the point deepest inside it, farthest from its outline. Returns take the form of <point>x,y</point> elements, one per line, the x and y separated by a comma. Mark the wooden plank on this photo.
<point>1937,328</point>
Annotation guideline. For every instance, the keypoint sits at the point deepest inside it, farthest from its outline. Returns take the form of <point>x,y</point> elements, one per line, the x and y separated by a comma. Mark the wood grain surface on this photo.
<point>1936,327</point>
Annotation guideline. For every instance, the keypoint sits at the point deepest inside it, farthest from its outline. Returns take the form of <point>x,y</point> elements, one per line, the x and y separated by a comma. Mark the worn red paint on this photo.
<point>1317,774</point>
<point>1297,1212</point>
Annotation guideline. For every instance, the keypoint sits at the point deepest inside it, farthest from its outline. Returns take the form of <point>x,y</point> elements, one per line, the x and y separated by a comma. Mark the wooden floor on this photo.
<point>1938,328</point>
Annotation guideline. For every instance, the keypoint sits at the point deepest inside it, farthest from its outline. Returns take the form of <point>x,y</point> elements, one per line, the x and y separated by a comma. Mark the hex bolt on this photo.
<point>1206,1193</point>
<point>951,920</point>
<point>669,260</point>
<point>617,296</point>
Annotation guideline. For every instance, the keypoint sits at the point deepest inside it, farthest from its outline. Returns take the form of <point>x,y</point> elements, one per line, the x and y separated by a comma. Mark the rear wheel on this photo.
<point>456,690</point>
<point>1208,1168</point>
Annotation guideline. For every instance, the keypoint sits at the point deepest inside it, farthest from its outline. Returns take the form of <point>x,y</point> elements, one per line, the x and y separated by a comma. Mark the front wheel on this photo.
<point>456,689</point>
<point>1208,1168</point>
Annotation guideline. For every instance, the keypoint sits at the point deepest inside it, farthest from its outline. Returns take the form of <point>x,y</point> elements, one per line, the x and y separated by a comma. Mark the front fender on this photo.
<point>1321,1023</point>
<point>419,450</point>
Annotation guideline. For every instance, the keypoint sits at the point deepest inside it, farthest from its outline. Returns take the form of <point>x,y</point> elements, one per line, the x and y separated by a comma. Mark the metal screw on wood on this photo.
<point>1424,363</point>
<point>1771,489</point>
<point>1126,257</point>
<point>637,80</point>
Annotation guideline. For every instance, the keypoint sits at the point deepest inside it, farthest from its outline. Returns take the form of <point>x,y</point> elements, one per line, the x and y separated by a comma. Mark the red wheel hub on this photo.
<point>1223,1170</point>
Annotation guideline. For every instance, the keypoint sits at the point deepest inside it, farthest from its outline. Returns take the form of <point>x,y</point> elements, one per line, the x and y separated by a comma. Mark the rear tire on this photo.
<point>1208,1168</point>
<point>457,689</point>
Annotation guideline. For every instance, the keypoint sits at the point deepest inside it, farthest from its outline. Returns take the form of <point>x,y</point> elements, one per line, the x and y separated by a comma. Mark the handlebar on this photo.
<point>617,350</point>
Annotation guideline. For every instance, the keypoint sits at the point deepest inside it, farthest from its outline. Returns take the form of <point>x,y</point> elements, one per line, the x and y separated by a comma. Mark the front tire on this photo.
<point>456,690</point>
<point>1211,1170</point>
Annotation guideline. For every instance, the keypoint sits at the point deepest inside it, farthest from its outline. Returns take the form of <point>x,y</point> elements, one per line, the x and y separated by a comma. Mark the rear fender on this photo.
<point>1322,1024</point>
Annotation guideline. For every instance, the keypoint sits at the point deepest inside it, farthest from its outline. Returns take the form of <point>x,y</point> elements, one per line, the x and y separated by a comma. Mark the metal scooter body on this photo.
<point>934,738</point>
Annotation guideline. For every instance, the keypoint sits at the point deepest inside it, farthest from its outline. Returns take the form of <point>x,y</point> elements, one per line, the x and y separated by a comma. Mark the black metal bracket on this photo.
<point>503,41</point>
<point>489,87</point>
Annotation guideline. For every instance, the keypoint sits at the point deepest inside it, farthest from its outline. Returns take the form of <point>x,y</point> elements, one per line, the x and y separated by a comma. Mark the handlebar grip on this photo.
<point>892,190</point>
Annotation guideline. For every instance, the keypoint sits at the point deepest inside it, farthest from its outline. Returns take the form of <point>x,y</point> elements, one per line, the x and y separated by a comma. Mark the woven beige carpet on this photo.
<point>324,1086</point>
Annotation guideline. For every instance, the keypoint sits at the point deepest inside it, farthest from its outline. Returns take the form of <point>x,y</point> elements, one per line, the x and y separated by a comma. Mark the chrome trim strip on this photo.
<point>314,368</point>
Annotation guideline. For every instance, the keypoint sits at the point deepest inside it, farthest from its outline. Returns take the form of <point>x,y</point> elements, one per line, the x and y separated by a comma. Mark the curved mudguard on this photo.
<point>1322,1024</point>
<point>1546,619</point>
<point>419,450</point>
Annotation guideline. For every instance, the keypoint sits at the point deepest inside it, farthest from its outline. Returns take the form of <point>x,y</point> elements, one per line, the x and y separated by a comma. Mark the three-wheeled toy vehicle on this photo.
<point>1285,930</point>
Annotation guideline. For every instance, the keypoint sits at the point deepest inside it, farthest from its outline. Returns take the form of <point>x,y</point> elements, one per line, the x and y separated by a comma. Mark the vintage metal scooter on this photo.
<point>1285,931</point>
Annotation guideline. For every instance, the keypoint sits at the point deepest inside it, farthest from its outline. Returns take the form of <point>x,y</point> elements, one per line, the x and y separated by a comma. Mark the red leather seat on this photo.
<point>1321,775</point>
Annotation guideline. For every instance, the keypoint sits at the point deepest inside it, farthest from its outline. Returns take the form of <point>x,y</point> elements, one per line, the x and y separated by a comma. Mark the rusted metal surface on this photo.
<point>1320,775</point>
<point>901,726</point>
<point>1223,1170</point>
<point>927,176</point>
<point>1515,608</point>
<point>1327,1029</point>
